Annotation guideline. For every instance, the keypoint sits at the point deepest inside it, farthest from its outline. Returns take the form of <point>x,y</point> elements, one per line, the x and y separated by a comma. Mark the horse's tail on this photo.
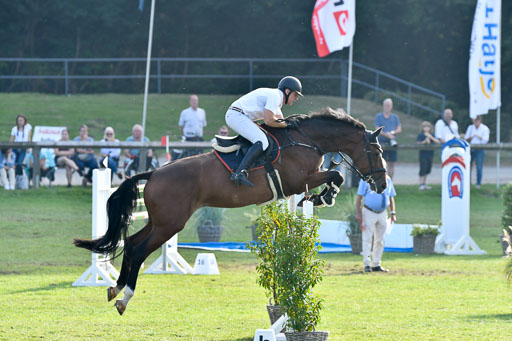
<point>119,210</point>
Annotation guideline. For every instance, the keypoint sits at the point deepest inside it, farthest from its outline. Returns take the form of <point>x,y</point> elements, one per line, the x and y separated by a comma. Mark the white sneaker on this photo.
<point>422,187</point>
<point>7,187</point>
<point>427,187</point>
<point>12,188</point>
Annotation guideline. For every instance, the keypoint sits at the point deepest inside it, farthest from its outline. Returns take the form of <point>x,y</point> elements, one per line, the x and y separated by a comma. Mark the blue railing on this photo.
<point>373,82</point>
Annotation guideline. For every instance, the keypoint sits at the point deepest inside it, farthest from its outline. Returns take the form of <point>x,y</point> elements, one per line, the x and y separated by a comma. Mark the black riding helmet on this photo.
<point>292,83</point>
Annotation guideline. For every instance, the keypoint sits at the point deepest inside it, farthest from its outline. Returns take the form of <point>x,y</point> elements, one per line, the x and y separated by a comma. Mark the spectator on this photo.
<point>64,156</point>
<point>446,128</point>
<point>223,131</point>
<point>192,120</point>
<point>374,221</point>
<point>47,163</point>
<point>392,127</point>
<point>7,174</point>
<point>131,163</point>
<point>84,157</point>
<point>21,132</point>
<point>425,156</point>
<point>477,133</point>
<point>112,153</point>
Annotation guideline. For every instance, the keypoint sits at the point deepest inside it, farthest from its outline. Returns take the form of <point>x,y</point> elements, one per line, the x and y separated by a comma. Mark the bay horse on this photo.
<point>176,190</point>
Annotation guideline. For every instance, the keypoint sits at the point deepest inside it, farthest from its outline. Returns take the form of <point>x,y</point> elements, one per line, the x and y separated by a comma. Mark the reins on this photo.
<point>294,142</point>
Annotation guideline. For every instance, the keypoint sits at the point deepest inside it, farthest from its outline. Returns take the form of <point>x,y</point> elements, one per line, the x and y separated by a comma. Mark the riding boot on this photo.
<point>241,173</point>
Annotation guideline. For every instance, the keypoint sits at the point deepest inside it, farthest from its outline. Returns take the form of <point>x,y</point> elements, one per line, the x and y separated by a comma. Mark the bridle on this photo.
<point>368,177</point>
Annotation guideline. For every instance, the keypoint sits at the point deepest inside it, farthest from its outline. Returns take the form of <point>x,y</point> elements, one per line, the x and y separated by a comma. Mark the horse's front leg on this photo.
<point>332,181</point>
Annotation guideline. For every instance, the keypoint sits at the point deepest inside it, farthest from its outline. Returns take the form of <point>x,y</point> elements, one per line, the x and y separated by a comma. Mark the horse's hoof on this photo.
<point>111,293</point>
<point>120,307</point>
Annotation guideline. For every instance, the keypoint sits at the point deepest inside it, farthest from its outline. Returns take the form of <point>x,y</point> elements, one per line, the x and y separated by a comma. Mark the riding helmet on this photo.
<point>292,83</point>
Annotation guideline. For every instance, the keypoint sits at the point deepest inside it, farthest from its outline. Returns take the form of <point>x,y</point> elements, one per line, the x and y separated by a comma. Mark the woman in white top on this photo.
<point>260,104</point>
<point>112,153</point>
<point>21,132</point>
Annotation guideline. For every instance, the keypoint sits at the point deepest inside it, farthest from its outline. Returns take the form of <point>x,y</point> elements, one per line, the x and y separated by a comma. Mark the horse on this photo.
<point>176,190</point>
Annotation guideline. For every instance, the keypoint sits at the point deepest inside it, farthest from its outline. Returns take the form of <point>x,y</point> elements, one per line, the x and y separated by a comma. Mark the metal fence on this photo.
<point>328,73</point>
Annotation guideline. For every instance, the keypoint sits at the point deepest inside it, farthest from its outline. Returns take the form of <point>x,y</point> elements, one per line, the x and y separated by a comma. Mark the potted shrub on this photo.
<point>254,218</point>
<point>209,224</point>
<point>424,239</point>
<point>265,250</point>
<point>296,269</point>
<point>506,218</point>
<point>354,233</point>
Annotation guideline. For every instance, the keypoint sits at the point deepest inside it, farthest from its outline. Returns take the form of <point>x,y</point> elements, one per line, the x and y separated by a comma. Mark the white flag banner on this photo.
<point>484,58</point>
<point>334,25</point>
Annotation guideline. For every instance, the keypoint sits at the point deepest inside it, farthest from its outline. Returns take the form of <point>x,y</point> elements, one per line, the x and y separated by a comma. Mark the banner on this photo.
<point>484,58</point>
<point>334,25</point>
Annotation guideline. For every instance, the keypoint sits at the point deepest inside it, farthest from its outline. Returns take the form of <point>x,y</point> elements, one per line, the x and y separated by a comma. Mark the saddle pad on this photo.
<point>232,160</point>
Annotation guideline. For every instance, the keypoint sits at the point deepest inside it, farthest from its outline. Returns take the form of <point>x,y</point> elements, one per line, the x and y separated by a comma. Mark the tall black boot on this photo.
<point>241,173</point>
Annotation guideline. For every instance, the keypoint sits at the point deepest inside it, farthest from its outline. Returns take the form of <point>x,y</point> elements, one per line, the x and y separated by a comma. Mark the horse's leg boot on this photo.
<point>240,175</point>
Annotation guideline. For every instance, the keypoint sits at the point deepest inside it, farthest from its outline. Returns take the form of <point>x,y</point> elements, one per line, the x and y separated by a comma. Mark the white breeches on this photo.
<point>374,226</point>
<point>245,127</point>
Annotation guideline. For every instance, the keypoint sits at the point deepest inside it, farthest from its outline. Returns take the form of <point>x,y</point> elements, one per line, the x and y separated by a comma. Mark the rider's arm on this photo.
<point>270,119</point>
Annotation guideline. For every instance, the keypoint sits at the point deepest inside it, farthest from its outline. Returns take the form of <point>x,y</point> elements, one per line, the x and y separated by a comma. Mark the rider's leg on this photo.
<point>248,129</point>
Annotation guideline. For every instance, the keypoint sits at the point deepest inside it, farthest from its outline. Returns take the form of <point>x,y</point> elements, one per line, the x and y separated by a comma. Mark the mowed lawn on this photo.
<point>423,298</point>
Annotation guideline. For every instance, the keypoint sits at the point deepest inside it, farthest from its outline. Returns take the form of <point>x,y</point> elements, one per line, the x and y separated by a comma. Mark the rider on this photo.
<point>260,104</point>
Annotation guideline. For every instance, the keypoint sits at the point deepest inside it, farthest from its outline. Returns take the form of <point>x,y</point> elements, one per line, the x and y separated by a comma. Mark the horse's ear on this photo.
<point>377,132</point>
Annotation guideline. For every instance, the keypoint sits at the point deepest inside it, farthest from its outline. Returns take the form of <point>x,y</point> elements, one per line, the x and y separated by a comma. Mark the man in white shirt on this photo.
<point>260,104</point>
<point>446,128</point>
<point>477,133</point>
<point>192,120</point>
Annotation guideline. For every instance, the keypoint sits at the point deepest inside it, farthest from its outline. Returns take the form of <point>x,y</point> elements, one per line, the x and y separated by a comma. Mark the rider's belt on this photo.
<point>237,109</point>
<point>372,210</point>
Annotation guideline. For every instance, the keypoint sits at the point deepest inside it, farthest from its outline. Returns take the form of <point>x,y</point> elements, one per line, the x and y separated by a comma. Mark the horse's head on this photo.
<point>368,158</point>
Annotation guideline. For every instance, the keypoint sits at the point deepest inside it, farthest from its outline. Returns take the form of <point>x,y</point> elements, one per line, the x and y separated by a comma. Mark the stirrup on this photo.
<point>241,178</point>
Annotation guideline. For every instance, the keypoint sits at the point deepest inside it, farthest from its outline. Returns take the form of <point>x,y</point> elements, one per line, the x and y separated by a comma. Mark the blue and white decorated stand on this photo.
<point>456,167</point>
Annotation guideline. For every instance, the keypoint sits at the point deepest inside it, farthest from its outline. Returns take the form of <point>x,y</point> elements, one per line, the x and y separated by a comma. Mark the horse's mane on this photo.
<point>329,114</point>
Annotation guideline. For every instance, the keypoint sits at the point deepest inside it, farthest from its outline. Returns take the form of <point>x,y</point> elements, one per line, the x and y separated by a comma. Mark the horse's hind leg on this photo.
<point>137,254</point>
<point>112,292</point>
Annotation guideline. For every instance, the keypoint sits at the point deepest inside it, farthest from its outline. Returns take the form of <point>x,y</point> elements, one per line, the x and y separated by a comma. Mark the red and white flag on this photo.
<point>334,25</point>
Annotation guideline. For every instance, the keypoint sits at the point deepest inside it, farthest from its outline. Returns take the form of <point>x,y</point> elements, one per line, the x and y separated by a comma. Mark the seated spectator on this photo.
<point>21,132</point>
<point>7,174</point>
<point>63,158</point>
<point>47,164</point>
<point>223,131</point>
<point>426,156</point>
<point>112,153</point>
<point>84,157</point>
<point>131,163</point>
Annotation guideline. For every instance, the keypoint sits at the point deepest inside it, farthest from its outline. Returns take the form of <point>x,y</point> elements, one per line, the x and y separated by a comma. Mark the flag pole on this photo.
<point>349,85</point>
<point>148,67</point>
<point>498,132</point>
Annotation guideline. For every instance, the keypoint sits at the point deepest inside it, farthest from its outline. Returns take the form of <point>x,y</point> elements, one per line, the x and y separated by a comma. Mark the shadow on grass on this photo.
<point>49,287</point>
<point>503,317</point>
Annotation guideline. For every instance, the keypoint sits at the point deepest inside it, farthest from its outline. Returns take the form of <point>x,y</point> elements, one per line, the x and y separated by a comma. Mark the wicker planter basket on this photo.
<point>424,244</point>
<point>356,242</point>
<point>274,313</point>
<point>306,336</point>
<point>209,232</point>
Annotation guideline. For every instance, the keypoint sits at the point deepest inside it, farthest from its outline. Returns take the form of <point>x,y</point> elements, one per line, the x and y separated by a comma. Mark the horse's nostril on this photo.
<point>383,185</point>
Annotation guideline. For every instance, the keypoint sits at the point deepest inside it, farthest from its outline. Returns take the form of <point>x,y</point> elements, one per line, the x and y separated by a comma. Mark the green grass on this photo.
<point>423,298</point>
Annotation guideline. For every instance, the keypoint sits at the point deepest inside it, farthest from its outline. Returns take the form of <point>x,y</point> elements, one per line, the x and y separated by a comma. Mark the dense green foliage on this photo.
<point>288,264</point>
<point>424,231</point>
<point>422,41</point>
<point>506,218</point>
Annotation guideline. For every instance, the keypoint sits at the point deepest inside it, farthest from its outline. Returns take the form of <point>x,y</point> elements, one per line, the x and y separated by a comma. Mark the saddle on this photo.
<point>231,150</point>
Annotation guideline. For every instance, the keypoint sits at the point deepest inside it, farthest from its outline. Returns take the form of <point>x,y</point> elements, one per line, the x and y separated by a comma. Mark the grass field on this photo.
<point>423,298</point>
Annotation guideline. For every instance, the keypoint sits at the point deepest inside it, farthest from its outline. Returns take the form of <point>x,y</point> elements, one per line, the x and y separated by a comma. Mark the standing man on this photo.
<point>192,120</point>
<point>446,128</point>
<point>392,127</point>
<point>477,133</point>
<point>373,221</point>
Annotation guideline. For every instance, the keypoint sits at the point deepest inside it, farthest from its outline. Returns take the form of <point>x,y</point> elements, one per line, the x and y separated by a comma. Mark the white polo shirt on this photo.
<point>482,131</point>
<point>255,102</point>
<point>444,133</point>
<point>192,122</point>
<point>21,135</point>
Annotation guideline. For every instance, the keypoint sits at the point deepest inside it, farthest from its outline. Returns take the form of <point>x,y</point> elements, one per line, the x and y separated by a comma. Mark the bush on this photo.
<point>418,231</point>
<point>289,266</point>
<point>506,219</point>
